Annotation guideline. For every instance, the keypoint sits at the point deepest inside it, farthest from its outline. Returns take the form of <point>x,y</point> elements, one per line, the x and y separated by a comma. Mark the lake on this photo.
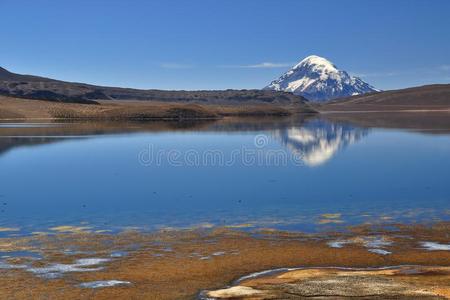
<point>307,175</point>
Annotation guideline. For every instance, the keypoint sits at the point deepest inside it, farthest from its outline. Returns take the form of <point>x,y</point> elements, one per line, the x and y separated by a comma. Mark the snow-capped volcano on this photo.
<point>318,79</point>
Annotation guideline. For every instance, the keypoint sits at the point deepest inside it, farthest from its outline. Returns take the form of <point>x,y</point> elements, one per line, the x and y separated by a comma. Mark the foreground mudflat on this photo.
<point>185,264</point>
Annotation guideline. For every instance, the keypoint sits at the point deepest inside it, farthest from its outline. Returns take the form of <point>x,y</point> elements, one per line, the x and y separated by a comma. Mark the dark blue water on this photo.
<point>285,177</point>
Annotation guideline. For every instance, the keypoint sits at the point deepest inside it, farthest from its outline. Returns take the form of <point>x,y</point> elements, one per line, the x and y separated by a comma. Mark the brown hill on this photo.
<point>40,88</point>
<point>429,97</point>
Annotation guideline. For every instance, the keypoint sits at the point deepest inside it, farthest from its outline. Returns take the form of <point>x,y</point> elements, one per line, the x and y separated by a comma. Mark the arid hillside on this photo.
<point>40,88</point>
<point>429,97</point>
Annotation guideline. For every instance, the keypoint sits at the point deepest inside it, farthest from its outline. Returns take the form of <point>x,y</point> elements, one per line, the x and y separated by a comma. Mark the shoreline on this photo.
<point>179,264</point>
<point>15,109</point>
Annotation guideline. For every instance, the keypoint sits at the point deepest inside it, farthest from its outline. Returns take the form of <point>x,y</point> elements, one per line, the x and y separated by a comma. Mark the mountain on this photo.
<point>317,79</point>
<point>40,88</point>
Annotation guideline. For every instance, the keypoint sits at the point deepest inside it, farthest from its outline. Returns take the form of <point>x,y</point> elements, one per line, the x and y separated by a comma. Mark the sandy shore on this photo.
<point>79,262</point>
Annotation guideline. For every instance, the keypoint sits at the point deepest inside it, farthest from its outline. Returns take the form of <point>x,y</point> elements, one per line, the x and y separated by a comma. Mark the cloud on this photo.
<point>263,65</point>
<point>444,67</point>
<point>176,66</point>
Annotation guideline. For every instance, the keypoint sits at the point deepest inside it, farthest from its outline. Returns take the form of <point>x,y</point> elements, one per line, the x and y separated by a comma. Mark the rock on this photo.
<point>236,291</point>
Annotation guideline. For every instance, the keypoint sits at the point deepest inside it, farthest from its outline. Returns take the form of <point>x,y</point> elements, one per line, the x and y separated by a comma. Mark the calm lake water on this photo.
<point>306,175</point>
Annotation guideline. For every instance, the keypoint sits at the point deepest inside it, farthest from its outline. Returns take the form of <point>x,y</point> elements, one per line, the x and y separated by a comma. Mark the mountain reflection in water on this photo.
<point>317,141</point>
<point>89,175</point>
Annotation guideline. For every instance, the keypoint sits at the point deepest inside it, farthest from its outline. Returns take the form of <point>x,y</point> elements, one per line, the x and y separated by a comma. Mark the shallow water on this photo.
<point>307,175</point>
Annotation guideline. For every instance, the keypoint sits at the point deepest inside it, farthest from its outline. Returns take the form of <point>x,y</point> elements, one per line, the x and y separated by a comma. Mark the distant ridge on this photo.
<point>427,97</point>
<point>40,88</point>
<point>318,79</point>
<point>5,75</point>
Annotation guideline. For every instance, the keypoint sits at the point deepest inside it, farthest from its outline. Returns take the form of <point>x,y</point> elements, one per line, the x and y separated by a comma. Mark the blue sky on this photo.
<point>219,44</point>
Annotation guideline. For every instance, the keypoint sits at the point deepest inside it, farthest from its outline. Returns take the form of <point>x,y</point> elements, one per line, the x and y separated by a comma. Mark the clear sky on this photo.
<point>219,44</point>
